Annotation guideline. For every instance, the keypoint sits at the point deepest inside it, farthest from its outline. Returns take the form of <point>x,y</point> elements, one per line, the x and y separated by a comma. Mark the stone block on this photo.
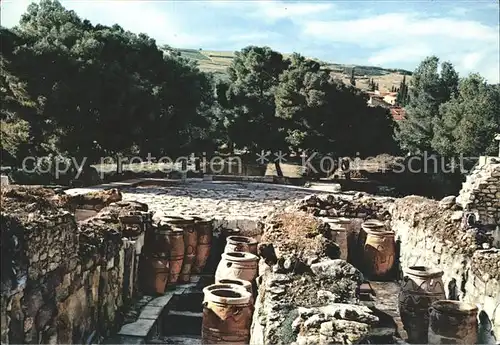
<point>131,340</point>
<point>4,180</point>
<point>161,301</point>
<point>140,328</point>
<point>150,312</point>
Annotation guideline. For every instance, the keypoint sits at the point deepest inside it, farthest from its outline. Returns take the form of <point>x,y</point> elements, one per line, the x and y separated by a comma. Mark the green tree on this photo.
<point>353,78</point>
<point>251,122</point>
<point>428,90</point>
<point>469,121</point>
<point>371,85</point>
<point>402,98</point>
<point>329,117</point>
<point>100,90</point>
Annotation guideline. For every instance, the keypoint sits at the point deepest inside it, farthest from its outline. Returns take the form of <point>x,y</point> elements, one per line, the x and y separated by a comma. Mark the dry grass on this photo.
<point>219,61</point>
<point>25,199</point>
<point>385,82</point>
<point>295,232</point>
<point>288,170</point>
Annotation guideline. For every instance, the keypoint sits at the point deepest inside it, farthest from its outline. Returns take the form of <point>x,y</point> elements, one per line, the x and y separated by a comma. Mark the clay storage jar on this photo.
<point>338,234</point>
<point>452,322</point>
<point>367,226</point>
<point>171,245</point>
<point>218,286</point>
<point>237,265</point>
<point>227,316</point>
<point>157,274</point>
<point>204,229</point>
<point>242,283</point>
<point>190,243</point>
<point>421,287</point>
<point>379,251</point>
<point>241,244</point>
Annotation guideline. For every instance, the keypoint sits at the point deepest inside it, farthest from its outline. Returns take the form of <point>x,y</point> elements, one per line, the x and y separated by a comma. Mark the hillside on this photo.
<point>218,61</point>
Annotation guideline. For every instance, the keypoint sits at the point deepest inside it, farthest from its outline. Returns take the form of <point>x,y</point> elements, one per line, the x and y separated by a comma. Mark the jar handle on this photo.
<point>229,264</point>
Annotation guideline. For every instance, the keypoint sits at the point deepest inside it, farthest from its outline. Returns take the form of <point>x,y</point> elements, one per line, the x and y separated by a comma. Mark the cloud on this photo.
<point>11,11</point>
<point>278,10</point>
<point>151,18</point>
<point>137,17</point>
<point>271,10</point>
<point>406,37</point>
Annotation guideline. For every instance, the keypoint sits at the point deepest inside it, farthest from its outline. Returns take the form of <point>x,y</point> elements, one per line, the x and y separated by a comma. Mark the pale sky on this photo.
<point>393,34</point>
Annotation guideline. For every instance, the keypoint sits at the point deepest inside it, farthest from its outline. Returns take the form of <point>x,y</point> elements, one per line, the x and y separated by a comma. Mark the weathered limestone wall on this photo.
<point>431,235</point>
<point>64,282</point>
<point>481,191</point>
<point>306,294</point>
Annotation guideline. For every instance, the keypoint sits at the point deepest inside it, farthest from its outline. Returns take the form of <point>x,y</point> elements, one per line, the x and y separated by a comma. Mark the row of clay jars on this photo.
<point>427,316</point>
<point>185,242</point>
<point>227,314</point>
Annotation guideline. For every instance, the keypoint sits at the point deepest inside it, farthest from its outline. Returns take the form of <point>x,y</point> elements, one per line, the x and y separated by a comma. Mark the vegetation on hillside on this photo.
<point>75,89</point>
<point>217,62</point>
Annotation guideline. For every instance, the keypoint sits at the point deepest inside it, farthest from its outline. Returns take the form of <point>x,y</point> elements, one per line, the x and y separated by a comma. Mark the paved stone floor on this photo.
<point>216,199</point>
<point>386,300</point>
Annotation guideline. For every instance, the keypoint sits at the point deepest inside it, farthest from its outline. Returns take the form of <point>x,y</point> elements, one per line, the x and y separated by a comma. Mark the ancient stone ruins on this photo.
<point>197,261</point>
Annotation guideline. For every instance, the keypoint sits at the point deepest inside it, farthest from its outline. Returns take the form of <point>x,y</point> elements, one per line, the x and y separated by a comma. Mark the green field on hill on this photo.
<point>217,62</point>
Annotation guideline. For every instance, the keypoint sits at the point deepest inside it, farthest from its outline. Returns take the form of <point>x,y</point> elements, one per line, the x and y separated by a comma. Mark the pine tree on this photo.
<point>402,97</point>
<point>371,85</point>
<point>429,89</point>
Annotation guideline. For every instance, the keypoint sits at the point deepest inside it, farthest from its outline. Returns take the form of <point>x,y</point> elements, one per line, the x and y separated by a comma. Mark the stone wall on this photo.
<point>431,234</point>
<point>306,294</point>
<point>481,191</point>
<point>64,282</point>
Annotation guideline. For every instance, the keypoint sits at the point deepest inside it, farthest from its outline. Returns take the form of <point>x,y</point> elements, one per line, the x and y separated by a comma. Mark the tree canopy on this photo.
<point>73,88</point>
<point>449,115</point>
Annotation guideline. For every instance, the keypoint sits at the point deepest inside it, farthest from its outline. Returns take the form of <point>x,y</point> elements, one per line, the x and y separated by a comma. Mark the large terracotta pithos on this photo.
<point>379,251</point>
<point>237,265</point>
<point>205,233</point>
<point>190,243</point>
<point>421,287</point>
<point>218,286</point>
<point>171,241</point>
<point>242,283</point>
<point>338,234</point>
<point>241,244</point>
<point>452,322</point>
<point>371,224</point>
<point>157,276</point>
<point>227,316</point>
